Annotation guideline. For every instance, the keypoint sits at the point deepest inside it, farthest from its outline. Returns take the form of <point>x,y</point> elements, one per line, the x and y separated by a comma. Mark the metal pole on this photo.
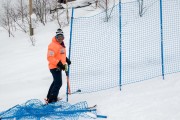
<point>120,45</point>
<point>162,49</point>
<point>72,17</point>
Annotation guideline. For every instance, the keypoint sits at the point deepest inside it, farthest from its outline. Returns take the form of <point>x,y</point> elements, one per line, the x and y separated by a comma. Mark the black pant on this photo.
<point>56,84</point>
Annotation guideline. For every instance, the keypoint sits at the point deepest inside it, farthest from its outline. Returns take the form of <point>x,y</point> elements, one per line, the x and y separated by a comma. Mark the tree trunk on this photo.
<point>67,12</point>
<point>22,12</point>
<point>96,3</point>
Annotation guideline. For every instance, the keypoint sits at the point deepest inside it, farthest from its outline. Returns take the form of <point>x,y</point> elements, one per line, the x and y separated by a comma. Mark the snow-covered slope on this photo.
<point>24,75</point>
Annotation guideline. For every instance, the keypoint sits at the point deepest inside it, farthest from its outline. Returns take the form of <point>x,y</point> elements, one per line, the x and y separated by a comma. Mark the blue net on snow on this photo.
<point>36,110</point>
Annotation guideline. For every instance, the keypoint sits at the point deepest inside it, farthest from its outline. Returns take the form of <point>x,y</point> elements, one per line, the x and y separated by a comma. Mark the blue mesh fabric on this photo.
<point>35,110</point>
<point>95,45</point>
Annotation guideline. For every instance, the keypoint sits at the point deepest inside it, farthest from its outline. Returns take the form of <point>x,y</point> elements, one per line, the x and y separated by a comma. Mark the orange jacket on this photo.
<point>55,53</point>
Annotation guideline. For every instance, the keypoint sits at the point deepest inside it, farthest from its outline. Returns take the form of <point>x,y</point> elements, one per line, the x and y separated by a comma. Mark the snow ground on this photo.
<point>24,75</point>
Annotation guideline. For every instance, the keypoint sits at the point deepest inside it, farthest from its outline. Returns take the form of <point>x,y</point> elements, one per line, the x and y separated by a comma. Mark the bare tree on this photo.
<point>22,10</point>
<point>67,12</point>
<point>45,10</point>
<point>6,21</point>
<point>56,13</point>
<point>14,16</point>
<point>106,5</point>
<point>96,2</point>
<point>32,40</point>
<point>41,10</point>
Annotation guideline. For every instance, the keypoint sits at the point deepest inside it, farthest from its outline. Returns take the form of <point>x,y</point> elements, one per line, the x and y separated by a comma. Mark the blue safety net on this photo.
<point>127,47</point>
<point>35,110</point>
<point>95,52</point>
<point>141,43</point>
<point>171,35</point>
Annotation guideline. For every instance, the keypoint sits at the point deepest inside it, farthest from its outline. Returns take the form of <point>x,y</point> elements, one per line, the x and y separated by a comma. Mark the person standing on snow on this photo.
<point>57,59</point>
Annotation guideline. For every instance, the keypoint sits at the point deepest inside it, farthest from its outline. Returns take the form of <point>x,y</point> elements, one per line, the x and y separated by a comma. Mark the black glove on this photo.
<point>68,61</point>
<point>60,65</point>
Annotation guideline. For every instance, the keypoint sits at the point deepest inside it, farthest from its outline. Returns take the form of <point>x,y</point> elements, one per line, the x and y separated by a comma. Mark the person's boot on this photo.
<point>52,98</point>
<point>46,100</point>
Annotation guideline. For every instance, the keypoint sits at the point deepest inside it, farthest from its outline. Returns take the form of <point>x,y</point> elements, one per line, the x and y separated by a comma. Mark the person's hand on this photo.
<point>60,65</point>
<point>68,61</point>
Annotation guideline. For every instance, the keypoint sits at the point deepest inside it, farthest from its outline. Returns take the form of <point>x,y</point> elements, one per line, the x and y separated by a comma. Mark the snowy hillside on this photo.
<point>24,75</point>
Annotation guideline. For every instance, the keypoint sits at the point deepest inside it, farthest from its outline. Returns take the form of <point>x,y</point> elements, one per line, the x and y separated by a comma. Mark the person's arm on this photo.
<point>50,57</point>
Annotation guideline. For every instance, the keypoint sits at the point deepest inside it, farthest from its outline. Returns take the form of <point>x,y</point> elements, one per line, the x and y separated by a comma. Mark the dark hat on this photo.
<point>59,33</point>
<point>59,30</point>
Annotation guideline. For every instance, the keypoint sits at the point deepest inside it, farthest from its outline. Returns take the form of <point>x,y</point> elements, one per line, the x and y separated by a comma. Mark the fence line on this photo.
<point>128,48</point>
